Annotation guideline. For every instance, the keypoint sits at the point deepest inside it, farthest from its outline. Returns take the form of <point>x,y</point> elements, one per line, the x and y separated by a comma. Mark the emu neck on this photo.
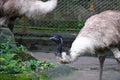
<point>59,48</point>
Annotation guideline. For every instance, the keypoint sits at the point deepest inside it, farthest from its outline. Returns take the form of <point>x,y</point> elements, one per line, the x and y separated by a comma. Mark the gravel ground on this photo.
<point>85,68</point>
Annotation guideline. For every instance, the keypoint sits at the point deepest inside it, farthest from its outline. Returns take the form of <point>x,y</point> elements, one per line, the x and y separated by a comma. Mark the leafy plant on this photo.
<point>17,59</point>
<point>12,61</point>
<point>42,65</point>
<point>80,24</point>
<point>8,64</point>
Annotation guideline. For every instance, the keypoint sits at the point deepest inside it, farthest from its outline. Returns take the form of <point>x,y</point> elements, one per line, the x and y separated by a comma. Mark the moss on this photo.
<point>44,77</point>
<point>29,76</point>
<point>15,77</point>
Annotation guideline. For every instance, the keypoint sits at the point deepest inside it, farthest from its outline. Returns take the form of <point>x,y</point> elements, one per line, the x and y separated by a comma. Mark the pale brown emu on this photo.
<point>101,32</point>
<point>12,9</point>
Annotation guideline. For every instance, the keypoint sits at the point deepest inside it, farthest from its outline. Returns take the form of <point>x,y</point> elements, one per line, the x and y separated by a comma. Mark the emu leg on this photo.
<point>101,60</point>
<point>11,23</point>
<point>116,53</point>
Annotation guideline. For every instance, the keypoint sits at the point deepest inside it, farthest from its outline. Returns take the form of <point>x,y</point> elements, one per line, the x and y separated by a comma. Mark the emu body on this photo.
<point>101,32</point>
<point>12,9</point>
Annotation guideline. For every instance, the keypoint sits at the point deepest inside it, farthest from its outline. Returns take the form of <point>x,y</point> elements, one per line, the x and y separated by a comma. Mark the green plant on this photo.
<point>8,64</point>
<point>80,24</point>
<point>17,59</point>
<point>11,61</point>
<point>42,65</point>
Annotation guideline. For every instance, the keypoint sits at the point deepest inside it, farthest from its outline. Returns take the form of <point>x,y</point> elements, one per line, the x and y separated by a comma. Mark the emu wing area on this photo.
<point>104,27</point>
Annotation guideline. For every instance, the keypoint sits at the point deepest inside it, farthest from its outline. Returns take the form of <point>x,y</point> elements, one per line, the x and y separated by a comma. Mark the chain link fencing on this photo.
<point>67,19</point>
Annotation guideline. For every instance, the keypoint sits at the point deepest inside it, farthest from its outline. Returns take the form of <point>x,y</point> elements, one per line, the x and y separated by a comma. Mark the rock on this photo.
<point>6,35</point>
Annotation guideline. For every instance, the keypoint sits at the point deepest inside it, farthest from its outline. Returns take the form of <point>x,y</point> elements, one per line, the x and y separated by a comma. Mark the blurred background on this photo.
<point>66,20</point>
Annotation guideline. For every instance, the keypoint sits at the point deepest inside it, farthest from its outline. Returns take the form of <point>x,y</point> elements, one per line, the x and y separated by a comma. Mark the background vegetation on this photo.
<point>15,59</point>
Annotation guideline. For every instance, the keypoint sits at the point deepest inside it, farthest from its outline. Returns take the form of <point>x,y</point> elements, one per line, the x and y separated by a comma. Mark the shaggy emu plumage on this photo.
<point>100,33</point>
<point>12,9</point>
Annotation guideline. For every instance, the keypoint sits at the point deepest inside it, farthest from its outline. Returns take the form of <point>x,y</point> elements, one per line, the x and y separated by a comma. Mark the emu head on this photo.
<point>59,41</point>
<point>64,57</point>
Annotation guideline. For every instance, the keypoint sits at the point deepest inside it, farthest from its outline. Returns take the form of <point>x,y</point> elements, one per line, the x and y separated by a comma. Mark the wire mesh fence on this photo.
<point>67,19</point>
<point>71,14</point>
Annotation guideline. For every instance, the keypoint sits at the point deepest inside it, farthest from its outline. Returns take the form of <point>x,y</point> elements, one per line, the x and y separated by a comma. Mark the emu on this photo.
<point>33,9</point>
<point>100,33</point>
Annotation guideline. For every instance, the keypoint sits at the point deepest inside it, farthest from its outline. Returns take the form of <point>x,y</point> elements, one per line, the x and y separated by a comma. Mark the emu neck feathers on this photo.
<point>80,46</point>
<point>59,48</point>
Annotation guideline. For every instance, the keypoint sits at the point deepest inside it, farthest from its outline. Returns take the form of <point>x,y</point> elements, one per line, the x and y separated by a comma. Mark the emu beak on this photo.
<point>52,38</point>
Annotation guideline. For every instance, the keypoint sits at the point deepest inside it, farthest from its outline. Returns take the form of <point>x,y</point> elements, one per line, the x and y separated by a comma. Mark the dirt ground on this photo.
<point>86,68</point>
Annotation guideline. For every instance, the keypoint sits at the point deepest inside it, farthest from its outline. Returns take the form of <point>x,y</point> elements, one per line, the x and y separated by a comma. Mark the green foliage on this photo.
<point>28,76</point>
<point>80,24</point>
<point>8,64</point>
<point>16,59</point>
<point>40,65</point>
